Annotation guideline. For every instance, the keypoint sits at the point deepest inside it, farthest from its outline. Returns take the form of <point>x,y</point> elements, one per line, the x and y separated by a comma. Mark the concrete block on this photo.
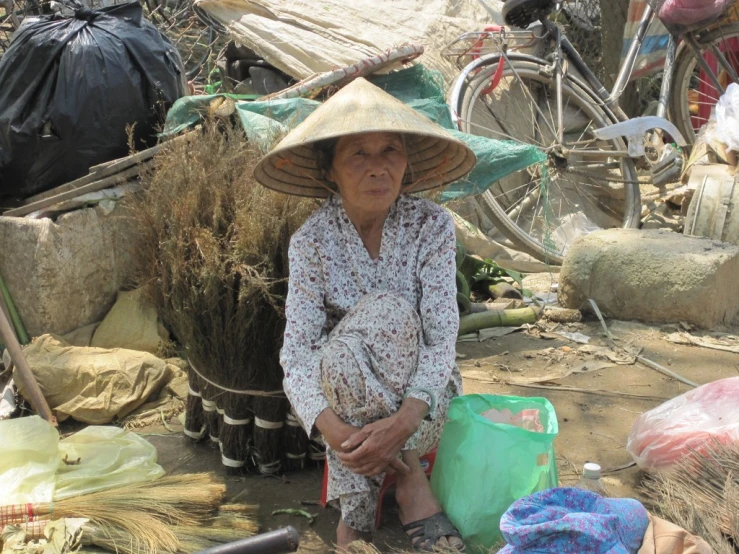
<point>65,274</point>
<point>653,276</point>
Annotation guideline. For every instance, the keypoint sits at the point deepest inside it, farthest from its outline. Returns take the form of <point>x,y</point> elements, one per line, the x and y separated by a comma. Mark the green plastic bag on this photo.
<point>489,456</point>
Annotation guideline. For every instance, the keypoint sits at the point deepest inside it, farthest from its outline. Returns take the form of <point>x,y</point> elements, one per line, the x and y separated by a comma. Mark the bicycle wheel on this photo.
<point>585,184</point>
<point>693,94</point>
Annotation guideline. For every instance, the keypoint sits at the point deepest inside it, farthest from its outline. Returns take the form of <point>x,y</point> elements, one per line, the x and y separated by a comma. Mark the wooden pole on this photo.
<point>23,373</point>
<point>107,182</point>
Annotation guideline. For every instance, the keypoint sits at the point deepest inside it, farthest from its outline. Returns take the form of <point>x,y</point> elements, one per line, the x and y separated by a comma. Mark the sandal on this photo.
<point>428,531</point>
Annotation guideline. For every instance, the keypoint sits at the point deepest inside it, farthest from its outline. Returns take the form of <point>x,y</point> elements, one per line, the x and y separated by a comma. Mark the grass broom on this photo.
<point>701,494</point>
<point>183,539</point>
<point>144,510</point>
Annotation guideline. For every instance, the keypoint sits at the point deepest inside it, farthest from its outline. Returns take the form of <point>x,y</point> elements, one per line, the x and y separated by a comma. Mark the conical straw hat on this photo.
<point>435,158</point>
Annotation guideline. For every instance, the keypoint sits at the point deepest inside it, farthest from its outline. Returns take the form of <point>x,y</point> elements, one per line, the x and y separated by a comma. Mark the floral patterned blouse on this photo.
<point>331,270</point>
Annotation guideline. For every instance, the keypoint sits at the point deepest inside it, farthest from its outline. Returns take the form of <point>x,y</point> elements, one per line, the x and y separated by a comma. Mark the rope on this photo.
<point>195,435</point>
<point>231,421</point>
<point>292,421</point>
<point>264,424</point>
<point>270,468</point>
<point>248,392</point>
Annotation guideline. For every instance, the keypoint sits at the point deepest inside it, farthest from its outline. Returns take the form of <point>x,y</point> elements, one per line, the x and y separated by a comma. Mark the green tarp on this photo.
<point>266,122</point>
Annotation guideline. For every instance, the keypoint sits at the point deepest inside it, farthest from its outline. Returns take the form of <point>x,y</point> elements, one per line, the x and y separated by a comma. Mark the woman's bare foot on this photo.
<point>345,535</point>
<point>416,500</point>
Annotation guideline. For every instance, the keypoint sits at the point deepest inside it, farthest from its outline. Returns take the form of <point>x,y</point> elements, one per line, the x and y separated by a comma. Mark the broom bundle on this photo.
<point>701,494</point>
<point>211,252</point>
<point>187,539</point>
<point>296,443</point>
<point>171,514</point>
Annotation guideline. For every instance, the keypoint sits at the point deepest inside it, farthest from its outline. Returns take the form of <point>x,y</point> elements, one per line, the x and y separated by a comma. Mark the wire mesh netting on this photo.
<point>596,29</point>
<point>582,22</point>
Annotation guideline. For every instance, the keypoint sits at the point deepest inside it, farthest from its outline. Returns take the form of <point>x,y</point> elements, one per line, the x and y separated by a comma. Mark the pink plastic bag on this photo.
<point>689,12</point>
<point>660,437</point>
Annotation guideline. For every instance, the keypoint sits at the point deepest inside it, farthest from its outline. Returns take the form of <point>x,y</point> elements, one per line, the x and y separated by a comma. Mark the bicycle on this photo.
<point>555,102</point>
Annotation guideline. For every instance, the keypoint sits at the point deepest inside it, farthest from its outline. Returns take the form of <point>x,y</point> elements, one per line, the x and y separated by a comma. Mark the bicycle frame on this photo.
<point>610,99</point>
<point>627,67</point>
<point>565,51</point>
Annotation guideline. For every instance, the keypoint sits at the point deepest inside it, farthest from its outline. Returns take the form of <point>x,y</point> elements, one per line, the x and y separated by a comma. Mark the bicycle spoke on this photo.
<point>588,184</point>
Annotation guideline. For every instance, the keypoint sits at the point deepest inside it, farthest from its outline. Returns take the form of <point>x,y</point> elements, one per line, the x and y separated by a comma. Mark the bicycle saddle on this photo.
<point>522,13</point>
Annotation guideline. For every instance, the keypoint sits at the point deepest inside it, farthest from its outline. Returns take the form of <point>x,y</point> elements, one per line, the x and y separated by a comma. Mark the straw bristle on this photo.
<point>176,499</point>
<point>701,494</point>
<point>211,251</point>
<point>142,535</point>
<point>238,509</point>
<point>168,515</point>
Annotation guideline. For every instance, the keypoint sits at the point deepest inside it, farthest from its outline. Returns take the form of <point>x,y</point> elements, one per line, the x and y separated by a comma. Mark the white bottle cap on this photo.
<point>591,471</point>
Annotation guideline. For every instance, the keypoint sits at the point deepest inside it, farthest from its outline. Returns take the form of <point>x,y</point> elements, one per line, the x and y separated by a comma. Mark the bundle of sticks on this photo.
<point>181,513</point>
<point>211,251</point>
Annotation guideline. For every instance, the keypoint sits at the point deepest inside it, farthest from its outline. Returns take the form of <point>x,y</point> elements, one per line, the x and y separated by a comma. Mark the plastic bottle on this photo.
<point>590,479</point>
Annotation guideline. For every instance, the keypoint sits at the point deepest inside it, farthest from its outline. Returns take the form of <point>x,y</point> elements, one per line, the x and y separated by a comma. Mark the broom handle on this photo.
<point>24,375</point>
<point>18,513</point>
<point>274,542</point>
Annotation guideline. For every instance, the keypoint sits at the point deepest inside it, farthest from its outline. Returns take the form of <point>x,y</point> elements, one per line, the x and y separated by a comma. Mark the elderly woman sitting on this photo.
<point>369,347</point>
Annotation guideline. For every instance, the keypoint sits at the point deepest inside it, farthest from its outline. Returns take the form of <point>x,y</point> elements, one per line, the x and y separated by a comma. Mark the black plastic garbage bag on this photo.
<point>71,86</point>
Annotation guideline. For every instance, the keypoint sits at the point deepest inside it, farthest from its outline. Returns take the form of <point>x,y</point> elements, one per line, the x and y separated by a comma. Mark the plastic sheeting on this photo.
<point>108,457</point>
<point>265,122</point>
<point>95,385</point>
<point>37,467</point>
<point>301,37</point>
<point>29,461</point>
<point>661,437</point>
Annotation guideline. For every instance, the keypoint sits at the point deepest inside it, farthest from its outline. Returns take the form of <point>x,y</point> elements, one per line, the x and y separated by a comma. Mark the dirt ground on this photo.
<point>593,426</point>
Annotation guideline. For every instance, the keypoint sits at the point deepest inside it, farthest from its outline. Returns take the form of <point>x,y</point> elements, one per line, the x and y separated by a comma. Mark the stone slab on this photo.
<point>65,274</point>
<point>653,276</point>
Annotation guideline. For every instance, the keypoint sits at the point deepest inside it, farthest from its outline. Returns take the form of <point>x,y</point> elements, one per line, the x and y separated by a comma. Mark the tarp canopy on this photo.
<point>266,122</point>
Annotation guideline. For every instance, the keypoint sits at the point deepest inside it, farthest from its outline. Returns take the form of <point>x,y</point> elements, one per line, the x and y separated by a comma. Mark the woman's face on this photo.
<point>369,170</point>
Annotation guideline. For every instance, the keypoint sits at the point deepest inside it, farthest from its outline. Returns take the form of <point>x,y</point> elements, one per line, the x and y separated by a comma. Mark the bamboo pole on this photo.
<point>7,305</point>
<point>497,318</point>
<point>23,373</point>
<point>504,290</point>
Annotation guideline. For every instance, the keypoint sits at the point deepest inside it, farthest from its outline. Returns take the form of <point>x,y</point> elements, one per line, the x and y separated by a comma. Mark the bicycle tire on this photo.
<point>684,80</point>
<point>501,200</point>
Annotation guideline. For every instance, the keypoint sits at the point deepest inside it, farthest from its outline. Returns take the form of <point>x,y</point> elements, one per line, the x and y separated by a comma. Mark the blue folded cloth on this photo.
<point>568,520</point>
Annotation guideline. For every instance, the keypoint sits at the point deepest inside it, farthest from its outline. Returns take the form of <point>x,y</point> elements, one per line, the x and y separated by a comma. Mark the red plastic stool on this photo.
<point>427,463</point>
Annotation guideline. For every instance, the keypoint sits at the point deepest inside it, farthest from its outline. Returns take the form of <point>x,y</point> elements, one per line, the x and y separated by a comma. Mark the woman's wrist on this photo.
<point>411,414</point>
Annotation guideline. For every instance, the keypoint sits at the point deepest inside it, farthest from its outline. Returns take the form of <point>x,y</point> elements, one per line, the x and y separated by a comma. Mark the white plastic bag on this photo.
<point>108,457</point>
<point>97,457</point>
<point>662,436</point>
<point>29,458</point>
<point>727,117</point>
